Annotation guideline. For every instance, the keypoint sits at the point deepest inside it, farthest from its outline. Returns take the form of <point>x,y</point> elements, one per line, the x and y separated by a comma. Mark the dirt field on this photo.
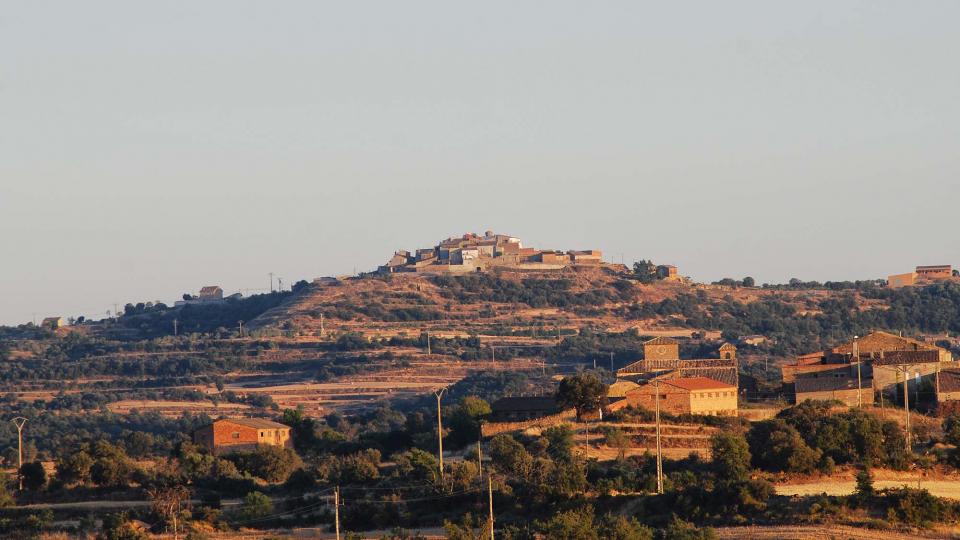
<point>831,532</point>
<point>941,488</point>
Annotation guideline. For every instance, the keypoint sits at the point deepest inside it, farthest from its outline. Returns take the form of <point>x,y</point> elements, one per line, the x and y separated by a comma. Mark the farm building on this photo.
<point>514,409</point>
<point>691,395</point>
<point>53,322</point>
<point>834,388</point>
<point>235,434</point>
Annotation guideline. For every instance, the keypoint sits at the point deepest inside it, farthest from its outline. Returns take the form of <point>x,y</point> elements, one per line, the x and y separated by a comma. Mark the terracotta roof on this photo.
<point>948,380</point>
<point>697,383</point>
<point>660,341</point>
<point>210,289</point>
<point>906,357</point>
<point>256,423</point>
<point>728,346</point>
<point>935,267</point>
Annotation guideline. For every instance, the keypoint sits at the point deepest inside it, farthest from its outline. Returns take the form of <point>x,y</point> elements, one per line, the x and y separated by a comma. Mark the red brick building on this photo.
<point>234,434</point>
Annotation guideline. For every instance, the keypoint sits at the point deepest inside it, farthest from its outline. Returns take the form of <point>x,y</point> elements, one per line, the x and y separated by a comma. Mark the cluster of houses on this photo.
<point>921,275</point>
<point>708,386</point>
<point>877,364</point>
<point>475,253</point>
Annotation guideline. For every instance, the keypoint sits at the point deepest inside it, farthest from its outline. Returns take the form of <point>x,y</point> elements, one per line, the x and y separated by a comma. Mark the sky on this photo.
<point>150,148</point>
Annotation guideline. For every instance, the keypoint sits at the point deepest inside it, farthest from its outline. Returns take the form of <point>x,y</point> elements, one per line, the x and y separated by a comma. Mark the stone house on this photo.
<point>236,434</point>
<point>690,395</point>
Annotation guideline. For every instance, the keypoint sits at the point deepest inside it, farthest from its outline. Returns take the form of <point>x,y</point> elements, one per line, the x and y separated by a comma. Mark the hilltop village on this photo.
<point>537,378</point>
<point>473,253</point>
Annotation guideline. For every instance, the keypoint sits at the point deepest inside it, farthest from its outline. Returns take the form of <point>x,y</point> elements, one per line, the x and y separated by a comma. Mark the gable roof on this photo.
<point>728,347</point>
<point>697,383</point>
<point>256,423</point>
<point>210,289</point>
<point>661,341</point>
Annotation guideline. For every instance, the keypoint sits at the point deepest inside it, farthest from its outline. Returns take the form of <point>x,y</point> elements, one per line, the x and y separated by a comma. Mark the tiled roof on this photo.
<point>660,341</point>
<point>906,357</point>
<point>949,380</point>
<point>830,384</point>
<point>256,423</point>
<point>210,289</point>
<point>697,383</point>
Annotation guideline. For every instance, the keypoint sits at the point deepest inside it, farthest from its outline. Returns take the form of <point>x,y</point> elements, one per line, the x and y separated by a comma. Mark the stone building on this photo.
<point>236,434</point>
<point>843,389</point>
<point>689,395</point>
<point>883,358</point>
<point>519,408</point>
<point>661,359</point>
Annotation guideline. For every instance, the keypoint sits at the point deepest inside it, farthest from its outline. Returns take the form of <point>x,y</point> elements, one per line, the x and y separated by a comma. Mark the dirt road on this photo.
<point>941,488</point>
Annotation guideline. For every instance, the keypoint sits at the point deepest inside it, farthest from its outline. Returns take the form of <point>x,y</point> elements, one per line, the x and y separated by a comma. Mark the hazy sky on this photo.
<point>150,148</point>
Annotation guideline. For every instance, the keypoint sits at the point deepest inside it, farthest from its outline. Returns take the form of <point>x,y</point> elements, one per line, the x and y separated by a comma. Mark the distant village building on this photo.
<point>668,272</point>
<point>921,274</point>
<point>474,253</point>
<point>753,340</point>
<point>236,434</point>
<point>53,323</point>
<point>211,293</point>
<point>883,359</point>
<point>690,395</point>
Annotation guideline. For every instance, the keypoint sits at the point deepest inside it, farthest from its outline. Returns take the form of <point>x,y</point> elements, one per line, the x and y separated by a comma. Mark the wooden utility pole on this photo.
<point>439,394</point>
<point>241,327</point>
<point>19,422</point>
<point>336,511</point>
<point>659,448</point>
<point>611,365</point>
<point>906,402</point>
<point>480,463</point>
<point>321,324</point>
<point>174,327</point>
<point>490,496</point>
<point>428,343</point>
<point>856,353</point>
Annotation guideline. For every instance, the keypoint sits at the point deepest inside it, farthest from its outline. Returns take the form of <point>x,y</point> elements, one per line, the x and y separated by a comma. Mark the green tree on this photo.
<point>34,475</point>
<point>560,439</point>
<point>255,505</point>
<point>464,422</point>
<point>731,457</point>
<point>645,271</point>
<point>74,468</point>
<point>576,524</point>
<point>748,282</point>
<point>271,463</point>
<point>778,446</point>
<point>585,392</point>
<point>679,529</point>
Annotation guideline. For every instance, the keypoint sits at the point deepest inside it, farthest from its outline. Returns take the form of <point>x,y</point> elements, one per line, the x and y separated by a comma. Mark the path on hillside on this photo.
<point>941,488</point>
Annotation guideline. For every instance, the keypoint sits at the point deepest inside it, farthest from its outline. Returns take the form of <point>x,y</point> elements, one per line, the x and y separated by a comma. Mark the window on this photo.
<point>262,434</point>
<point>235,435</point>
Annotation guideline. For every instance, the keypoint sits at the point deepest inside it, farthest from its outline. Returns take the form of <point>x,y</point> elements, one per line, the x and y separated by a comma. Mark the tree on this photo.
<point>748,282</point>
<point>777,446</point>
<point>561,442</point>
<point>585,392</point>
<point>464,423</point>
<point>864,484</point>
<point>679,529</point>
<point>645,271</point>
<point>34,475</point>
<point>271,463</point>
<point>576,524</point>
<point>255,505</point>
<point>166,502</point>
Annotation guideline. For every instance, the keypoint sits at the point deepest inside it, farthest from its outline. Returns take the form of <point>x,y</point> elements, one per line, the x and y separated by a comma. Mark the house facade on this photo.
<point>242,434</point>
<point>691,395</point>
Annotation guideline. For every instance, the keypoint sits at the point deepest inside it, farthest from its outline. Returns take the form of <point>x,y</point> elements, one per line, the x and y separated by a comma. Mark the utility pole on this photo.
<point>906,402</point>
<point>241,327</point>
<point>428,342</point>
<point>280,284</point>
<point>659,448</point>
<point>19,422</point>
<point>174,327</point>
<point>439,394</point>
<point>611,365</point>
<point>480,463</point>
<point>594,363</point>
<point>321,324</point>
<point>490,495</point>
<point>856,352</point>
<point>271,281</point>
<point>558,333</point>
<point>336,511</point>
<point>493,354</point>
